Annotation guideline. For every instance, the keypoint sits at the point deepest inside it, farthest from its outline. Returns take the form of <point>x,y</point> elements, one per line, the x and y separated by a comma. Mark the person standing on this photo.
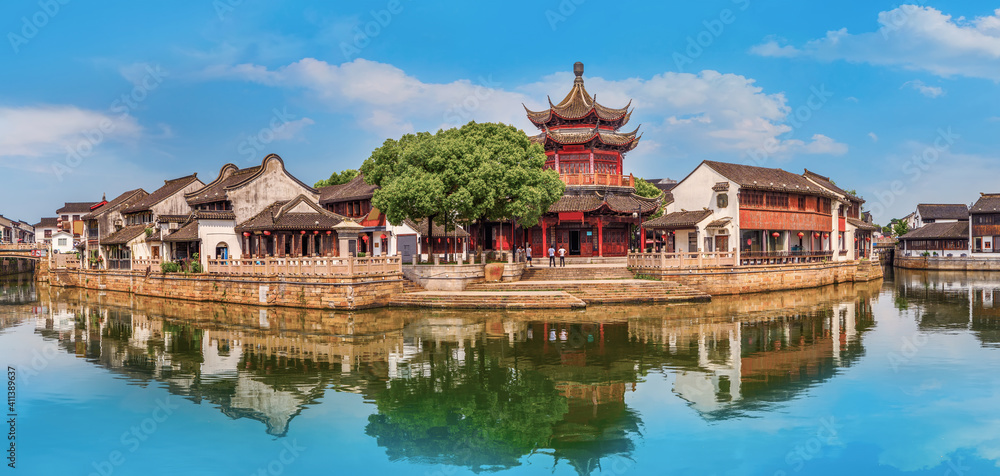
<point>527,254</point>
<point>562,256</point>
<point>552,256</point>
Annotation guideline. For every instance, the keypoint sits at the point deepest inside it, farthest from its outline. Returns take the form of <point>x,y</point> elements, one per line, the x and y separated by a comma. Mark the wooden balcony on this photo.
<point>307,266</point>
<point>608,180</point>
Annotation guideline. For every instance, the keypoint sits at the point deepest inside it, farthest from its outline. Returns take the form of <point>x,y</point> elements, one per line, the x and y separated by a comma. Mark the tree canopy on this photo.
<point>646,189</point>
<point>338,178</point>
<point>900,228</point>
<point>479,171</point>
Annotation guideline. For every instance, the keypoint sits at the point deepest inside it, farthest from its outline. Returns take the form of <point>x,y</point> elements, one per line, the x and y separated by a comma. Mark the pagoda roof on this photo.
<point>616,202</point>
<point>626,140</point>
<point>579,104</point>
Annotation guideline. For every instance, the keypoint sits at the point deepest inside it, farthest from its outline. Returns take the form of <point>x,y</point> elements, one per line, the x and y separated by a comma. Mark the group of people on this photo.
<point>552,255</point>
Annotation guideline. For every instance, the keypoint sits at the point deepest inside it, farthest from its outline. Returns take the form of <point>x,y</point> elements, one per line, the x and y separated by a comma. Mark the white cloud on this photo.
<point>929,91</point>
<point>912,37</point>
<point>873,136</point>
<point>46,130</point>
<point>693,113</point>
<point>293,130</point>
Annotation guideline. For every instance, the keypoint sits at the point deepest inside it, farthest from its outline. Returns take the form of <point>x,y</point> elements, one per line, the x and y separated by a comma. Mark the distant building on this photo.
<point>104,219</point>
<point>62,242</point>
<point>70,217</point>
<point>984,226</point>
<point>948,239</point>
<point>939,213</point>
<point>44,230</point>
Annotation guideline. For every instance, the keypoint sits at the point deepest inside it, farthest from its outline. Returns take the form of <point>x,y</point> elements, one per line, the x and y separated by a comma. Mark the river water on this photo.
<point>891,377</point>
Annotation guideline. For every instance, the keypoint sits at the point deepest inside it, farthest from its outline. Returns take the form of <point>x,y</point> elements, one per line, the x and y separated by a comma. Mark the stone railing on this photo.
<point>311,266</point>
<point>756,258</point>
<point>151,263</point>
<point>681,260</point>
<point>22,246</point>
<point>65,260</point>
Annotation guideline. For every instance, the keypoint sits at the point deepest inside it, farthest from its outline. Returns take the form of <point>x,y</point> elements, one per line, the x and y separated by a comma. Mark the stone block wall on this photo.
<point>947,264</point>
<point>303,292</point>
<point>741,280</point>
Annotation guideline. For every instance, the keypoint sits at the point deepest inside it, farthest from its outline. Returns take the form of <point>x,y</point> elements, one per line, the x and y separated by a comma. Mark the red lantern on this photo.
<point>749,241</point>
<point>449,240</point>
<point>364,238</point>
<point>383,236</point>
<point>302,232</point>
<point>246,233</point>
<point>267,233</point>
<point>826,235</point>
<point>439,240</point>
<point>855,240</point>
<point>775,234</point>
<point>801,234</point>
<point>328,232</point>
<point>315,232</point>
<point>816,235</point>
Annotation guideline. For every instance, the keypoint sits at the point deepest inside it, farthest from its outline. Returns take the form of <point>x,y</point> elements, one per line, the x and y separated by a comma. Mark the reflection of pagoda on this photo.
<point>583,142</point>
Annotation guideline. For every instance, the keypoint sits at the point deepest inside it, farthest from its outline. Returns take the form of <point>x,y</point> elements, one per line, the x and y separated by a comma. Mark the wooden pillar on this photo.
<point>545,238</point>
<point>600,236</point>
<point>558,170</point>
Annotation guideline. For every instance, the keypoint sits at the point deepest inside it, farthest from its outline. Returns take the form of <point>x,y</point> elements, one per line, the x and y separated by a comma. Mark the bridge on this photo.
<point>18,258</point>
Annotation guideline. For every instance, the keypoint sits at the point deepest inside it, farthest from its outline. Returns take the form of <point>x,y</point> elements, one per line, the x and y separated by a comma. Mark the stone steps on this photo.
<point>411,287</point>
<point>488,300</point>
<point>544,273</point>
<point>607,292</point>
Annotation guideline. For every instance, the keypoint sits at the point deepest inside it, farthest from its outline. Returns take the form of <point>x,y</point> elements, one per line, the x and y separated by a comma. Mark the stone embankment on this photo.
<point>947,264</point>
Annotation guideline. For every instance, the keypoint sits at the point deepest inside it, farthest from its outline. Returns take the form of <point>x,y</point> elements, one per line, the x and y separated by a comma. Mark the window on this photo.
<point>76,217</point>
<point>62,241</point>
<point>722,201</point>
<point>802,203</point>
<point>65,218</point>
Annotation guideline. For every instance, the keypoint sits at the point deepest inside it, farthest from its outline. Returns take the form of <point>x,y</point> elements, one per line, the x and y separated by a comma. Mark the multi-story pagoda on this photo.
<point>583,142</point>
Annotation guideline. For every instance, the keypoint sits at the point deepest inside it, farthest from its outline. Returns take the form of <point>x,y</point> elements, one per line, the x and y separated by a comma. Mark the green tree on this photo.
<point>900,228</point>
<point>338,178</point>
<point>646,189</point>
<point>479,171</point>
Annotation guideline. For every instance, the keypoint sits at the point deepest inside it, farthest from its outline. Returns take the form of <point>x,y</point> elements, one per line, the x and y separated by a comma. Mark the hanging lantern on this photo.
<point>315,232</point>
<point>267,233</point>
<point>364,238</point>
<point>826,235</point>
<point>449,240</point>
<point>459,241</point>
<point>855,240</point>
<point>439,240</point>
<point>801,234</point>
<point>816,235</point>
<point>383,236</point>
<point>246,233</point>
<point>328,232</point>
<point>775,234</point>
<point>302,232</point>
<point>749,241</point>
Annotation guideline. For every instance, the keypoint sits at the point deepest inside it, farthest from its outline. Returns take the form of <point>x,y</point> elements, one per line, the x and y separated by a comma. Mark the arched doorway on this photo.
<point>222,250</point>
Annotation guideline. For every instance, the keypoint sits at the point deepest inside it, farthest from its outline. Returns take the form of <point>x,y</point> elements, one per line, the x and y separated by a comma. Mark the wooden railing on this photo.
<point>310,266</point>
<point>681,260</point>
<point>610,180</point>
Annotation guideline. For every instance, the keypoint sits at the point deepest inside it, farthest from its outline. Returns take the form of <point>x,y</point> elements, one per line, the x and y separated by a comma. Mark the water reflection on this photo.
<point>952,301</point>
<point>477,390</point>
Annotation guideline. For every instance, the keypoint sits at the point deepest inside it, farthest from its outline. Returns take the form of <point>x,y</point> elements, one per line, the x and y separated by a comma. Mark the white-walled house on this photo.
<point>62,242</point>
<point>927,213</point>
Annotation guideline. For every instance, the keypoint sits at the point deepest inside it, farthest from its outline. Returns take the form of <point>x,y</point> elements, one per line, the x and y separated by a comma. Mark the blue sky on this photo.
<point>896,101</point>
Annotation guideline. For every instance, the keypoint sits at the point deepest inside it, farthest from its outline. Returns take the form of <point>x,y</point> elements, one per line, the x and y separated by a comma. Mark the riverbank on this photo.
<point>947,264</point>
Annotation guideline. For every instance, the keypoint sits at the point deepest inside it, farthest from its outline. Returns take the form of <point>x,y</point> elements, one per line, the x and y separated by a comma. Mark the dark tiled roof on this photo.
<point>47,222</point>
<point>825,182</point>
<point>155,236</point>
<point>721,186</point>
<point>356,189</point>
<point>862,225</point>
<point>762,178</point>
<point>719,223</point>
<point>169,188</point>
<point>987,203</point>
<point>939,231</point>
<point>279,216</point>
<point>172,218</point>
<point>421,227</point>
<point>214,215</point>
<point>678,219</point>
<point>124,235</point>
<point>943,211</point>
<point>120,201</point>
<point>664,184</point>
<point>76,207</point>
<point>216,191</point>
<point>590,201</point>
<point>628,140</point>
<point>186,233</point>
